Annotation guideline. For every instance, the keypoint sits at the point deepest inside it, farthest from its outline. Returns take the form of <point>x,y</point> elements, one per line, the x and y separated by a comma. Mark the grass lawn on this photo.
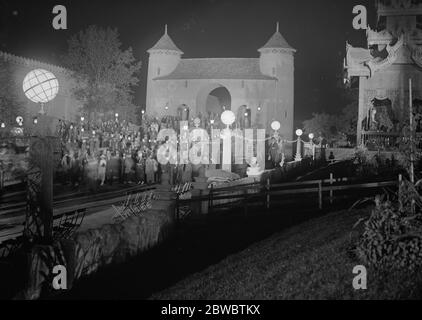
<point>308,261</point>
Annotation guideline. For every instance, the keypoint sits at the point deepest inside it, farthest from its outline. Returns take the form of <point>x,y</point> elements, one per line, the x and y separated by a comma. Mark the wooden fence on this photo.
<point>267,194</point>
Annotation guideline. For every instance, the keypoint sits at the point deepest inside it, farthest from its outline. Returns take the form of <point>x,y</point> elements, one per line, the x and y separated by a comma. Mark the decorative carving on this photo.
<point>381,37</point>
<point>417,55</point>
<point>375,65</point>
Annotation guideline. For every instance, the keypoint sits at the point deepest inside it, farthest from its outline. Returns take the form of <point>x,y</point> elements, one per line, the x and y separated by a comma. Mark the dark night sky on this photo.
<point>318,29</point>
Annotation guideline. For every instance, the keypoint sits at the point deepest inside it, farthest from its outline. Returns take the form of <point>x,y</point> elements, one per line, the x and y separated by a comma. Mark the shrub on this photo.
<point>392,235</point>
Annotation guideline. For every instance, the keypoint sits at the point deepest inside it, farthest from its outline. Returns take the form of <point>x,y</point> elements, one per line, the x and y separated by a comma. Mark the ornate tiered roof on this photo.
<point>217,68</point>
<point>165,44</point>
<point>399,42</point>
<point>360,62</point>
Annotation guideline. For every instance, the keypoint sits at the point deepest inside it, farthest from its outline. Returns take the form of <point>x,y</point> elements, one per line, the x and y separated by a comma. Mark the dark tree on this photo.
<point>105,74</point>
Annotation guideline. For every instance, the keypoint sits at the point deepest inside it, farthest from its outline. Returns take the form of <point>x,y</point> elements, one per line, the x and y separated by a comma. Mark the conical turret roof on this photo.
<point>277,41</point>
<point>165,43</point>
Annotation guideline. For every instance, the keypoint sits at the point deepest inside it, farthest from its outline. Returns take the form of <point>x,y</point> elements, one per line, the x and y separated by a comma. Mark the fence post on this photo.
<point>210,199</point>
<point>400,184</point>
<point>1,179</point>
<point>320,194</point>
<point>177,208</point>
<point>245,204</point>
<point>268,193</point>
<point>331,191</point>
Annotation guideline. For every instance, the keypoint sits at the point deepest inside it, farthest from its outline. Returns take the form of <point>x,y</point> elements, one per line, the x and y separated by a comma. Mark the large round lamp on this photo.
<point>275,125</point>
<point>228,117</point>
<point>40,86</point>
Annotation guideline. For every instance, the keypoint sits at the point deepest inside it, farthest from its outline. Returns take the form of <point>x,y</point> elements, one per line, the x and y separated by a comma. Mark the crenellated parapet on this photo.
<point>31,63</point>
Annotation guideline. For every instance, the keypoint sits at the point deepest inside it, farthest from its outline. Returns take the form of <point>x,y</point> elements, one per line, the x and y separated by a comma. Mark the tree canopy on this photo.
<point>105,74</point>
<point>333,127</point>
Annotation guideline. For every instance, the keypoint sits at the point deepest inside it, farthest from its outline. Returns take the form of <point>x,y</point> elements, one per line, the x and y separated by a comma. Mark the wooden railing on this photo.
<point>388,141</point>
<point>267,194</point>
<point>376,140</point>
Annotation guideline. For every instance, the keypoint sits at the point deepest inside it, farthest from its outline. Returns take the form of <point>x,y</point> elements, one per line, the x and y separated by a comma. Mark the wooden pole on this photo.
<point>177,208</point>
<point>320,194</point>
<point>246,203</point>
<point>412,170</point>
<point>400,183</point>
<point>268,193</point>
<point>210,195</point>
<point>331,191</point>
<point>46,163</point>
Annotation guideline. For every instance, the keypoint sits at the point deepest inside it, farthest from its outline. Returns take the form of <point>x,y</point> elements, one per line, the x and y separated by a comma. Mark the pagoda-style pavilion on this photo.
<point>392,57</point>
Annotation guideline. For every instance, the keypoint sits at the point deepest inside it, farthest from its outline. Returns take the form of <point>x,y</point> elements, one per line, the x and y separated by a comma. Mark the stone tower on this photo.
<point>277,60</point>
<point>164,57</point>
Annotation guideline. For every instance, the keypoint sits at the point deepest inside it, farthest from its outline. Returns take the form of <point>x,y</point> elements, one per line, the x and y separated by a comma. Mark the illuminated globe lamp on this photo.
<point>40,86</point>
<point>275,125</point>
<point>228,117</point>
<point>298,156</point>
<point>311,141</point>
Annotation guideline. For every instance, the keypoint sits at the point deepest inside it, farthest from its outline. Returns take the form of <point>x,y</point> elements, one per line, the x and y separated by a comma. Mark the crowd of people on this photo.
<point>105,152</point>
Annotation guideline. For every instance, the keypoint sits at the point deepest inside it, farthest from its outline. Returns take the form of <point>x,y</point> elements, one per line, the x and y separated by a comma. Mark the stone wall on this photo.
<point>88,251</point>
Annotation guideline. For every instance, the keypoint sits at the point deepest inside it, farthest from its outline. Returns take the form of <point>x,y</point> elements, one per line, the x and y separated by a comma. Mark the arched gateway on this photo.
<point>213,99</point>
<point>264,84</point>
